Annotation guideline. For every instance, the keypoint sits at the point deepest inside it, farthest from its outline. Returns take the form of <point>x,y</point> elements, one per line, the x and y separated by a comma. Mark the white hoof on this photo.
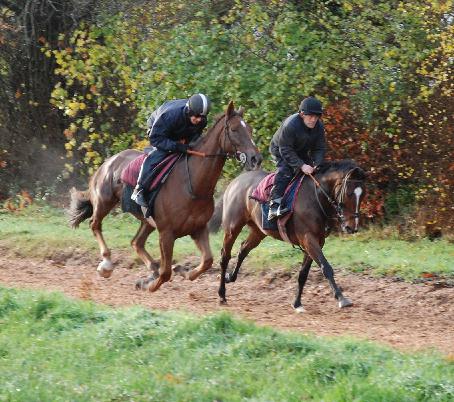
<point>105,268</point>
<point>345,303</point>
<point>300,310</point>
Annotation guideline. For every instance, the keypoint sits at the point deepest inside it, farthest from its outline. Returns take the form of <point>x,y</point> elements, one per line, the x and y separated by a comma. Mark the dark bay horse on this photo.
<point>335,191</point>
<point>184,204</point>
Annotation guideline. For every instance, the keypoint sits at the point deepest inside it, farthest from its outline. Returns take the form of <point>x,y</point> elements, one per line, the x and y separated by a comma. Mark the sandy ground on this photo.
<point>405,316</point>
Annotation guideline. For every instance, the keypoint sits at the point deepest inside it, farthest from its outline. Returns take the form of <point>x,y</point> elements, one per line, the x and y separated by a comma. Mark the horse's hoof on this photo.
<point>299,309</point>
<point>344,302</point>
<point>154,285</point>
<point>152,289</point>
<point>191,275</point>
<point>223,302</point>
<point>105,268</point>
<point>228,278</point>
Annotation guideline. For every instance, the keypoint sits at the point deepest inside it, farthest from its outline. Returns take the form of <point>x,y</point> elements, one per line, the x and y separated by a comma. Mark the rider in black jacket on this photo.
<point>171,128</point>
<point>298,144</point>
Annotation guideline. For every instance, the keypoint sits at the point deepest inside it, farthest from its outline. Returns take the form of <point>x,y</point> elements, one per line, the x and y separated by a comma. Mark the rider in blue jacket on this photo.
<point>171,128</point>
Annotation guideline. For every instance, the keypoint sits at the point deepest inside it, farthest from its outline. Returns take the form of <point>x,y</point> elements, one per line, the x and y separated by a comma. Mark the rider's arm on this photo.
<point>159,136</point>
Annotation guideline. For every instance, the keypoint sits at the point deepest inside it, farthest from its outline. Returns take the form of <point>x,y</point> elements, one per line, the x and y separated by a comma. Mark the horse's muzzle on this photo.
<point>252,160</point>
<point>348,229</point>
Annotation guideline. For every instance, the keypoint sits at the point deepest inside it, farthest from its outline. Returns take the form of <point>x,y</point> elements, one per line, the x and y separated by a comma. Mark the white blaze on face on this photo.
<point>244,125</point>
<point>358,191</point>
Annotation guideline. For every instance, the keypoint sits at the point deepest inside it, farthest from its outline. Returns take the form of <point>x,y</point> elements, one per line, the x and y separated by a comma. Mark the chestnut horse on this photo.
<point>184,204</point>
<point>335,191</point>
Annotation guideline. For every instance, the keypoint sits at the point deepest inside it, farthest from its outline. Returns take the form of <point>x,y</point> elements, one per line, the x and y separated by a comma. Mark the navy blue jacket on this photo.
<point>170,124</point>
<point>297,144</point>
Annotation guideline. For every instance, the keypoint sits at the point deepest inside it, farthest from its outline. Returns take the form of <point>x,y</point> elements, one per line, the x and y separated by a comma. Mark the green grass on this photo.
<point>56,349</point>
<point>41,231</point>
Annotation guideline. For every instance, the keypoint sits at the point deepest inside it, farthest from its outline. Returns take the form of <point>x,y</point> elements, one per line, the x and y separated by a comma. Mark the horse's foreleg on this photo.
<point>253,240</point>
<point>105,267</point>
<point>138,244</point>
<point>201,239</point>
<point>230,236</point>
<point>302,277</point>
<point>313,248</point>
<point>166,242</point>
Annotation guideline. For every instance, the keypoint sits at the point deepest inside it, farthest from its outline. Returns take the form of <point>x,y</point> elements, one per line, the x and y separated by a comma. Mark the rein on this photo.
<point>339,196</point>
<point>336,206</point>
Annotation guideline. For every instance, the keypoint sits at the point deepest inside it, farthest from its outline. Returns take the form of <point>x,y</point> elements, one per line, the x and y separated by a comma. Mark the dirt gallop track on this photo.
<point>406,316</point>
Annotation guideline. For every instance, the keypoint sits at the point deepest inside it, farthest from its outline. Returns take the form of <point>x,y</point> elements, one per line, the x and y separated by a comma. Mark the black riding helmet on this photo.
<point>198,104</point>
<point>311,105</point>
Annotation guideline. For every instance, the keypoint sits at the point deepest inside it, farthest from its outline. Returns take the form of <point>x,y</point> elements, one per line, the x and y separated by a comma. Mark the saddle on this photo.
<point>159,173</point>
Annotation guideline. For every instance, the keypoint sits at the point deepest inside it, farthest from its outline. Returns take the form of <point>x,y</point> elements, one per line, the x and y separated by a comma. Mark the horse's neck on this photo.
<point>211,142</point>
<point>205,171</point>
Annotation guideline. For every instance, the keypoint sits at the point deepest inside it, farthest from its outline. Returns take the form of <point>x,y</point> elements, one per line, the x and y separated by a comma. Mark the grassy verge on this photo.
<point>53,348</point>
<point>41,230</point>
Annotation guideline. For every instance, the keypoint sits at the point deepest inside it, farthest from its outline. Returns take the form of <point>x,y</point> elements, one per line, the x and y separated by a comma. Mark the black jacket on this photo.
<point>170,123</point>
<point>297,144</point>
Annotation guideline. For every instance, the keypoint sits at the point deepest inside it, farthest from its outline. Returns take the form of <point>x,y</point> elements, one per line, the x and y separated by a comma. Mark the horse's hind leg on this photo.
<point>138,244</point>
<point>302,277</point>
<point>252,241</point>
<point>202,242</point>
<point>100,210</point>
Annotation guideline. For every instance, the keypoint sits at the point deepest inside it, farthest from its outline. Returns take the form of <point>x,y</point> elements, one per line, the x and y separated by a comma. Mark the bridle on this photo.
<point>339,196</point>
<point>239,156</point>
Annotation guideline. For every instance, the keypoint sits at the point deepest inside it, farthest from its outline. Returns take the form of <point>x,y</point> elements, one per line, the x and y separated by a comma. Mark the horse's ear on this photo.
<point>241,111</point>
<point>230,109</point>
<point>360,174</point>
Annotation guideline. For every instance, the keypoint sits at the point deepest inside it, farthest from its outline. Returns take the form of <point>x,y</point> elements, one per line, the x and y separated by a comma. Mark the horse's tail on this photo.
<point>81,207</point>
<point>216,219</point>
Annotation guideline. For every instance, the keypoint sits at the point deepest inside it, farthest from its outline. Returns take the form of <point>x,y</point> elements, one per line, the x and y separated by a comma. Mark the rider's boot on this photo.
<point>138,196</point>
<point>274,208</point>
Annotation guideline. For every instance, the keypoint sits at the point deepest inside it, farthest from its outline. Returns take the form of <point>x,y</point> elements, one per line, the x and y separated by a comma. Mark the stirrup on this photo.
<point>273,211</point>
<point>139,197</point>
<point>282,210</point>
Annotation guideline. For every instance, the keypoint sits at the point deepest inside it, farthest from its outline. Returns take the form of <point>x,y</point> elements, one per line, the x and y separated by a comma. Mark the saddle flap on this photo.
<point>263,189</point>
<point>131,172</point>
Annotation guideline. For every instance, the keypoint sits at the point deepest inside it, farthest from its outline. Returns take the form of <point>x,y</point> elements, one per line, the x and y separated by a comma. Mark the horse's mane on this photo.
<point>343,166</point>
<point>217,119</point>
